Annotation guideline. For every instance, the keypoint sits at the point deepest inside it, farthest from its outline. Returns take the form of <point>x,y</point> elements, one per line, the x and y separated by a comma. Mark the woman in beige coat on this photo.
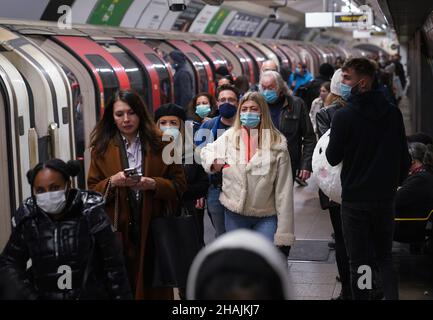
<point>257,190</point>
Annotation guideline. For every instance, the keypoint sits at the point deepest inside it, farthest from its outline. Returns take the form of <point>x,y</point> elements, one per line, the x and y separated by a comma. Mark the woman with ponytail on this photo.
<point>415,197</point>
<point>67,237</point>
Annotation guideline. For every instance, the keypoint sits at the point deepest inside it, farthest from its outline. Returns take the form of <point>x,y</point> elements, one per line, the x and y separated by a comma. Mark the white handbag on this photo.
<point>327,176</point>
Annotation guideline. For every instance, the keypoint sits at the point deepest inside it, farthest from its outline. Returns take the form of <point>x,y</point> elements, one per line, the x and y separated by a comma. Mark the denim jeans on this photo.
<point>215,210</point>
<point>368,229</point>
<point>267,226</point>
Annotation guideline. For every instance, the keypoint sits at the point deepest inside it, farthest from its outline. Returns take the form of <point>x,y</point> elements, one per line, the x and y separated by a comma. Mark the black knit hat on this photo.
<point>170,109</point>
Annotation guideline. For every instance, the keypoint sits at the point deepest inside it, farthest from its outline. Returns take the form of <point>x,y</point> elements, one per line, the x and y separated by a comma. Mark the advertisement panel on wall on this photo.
<point>134,13</point>
<point>270,30</point>
<point>203,19</point>
<point>187,17</point>
<point>217,21</point>
<point>109,12</point>
<point>289,32</point>
<point>243,25</point>
<point>23,9</point>
<point>81,9</point>
<point>154,14</point>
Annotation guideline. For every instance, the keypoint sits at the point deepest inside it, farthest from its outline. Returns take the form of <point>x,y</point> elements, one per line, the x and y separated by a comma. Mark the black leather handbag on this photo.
<point>176,242</point>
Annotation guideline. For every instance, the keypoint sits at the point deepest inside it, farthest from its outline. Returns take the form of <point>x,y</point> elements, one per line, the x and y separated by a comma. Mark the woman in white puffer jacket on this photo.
<point>257,190</point>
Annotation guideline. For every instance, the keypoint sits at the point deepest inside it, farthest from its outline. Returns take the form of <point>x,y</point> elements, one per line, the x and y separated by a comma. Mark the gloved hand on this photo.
<point>285,250</point>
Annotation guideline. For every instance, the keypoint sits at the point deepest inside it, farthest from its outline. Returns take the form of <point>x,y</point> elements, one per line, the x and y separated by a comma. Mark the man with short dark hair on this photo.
<point>227,99</point>
<point>368,136</point>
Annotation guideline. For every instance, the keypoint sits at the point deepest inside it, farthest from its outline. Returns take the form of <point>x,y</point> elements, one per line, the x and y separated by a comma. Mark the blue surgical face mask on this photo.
<point>270,95</point>
<point>227,110</point>
<point>298,70</point>
<point>346,91</point>
<point>170,131</point>
<point>250,119</point>
<point>202,110</point>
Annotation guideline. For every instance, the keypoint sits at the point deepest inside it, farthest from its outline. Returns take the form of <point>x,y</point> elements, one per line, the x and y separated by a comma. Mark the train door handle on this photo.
<point>33,147</point>
<point>53,130</point>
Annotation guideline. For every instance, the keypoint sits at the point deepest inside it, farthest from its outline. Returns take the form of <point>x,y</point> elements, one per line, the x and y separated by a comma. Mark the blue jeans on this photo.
<point>267,226</point>
<point>368,229</point>
<point>215,210</point>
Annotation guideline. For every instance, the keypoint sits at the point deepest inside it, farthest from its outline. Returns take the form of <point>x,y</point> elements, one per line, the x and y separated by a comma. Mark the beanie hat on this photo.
<point>326,70</point>
<point>336,82</point>
<point>177,56</point>
<point>170,109</point>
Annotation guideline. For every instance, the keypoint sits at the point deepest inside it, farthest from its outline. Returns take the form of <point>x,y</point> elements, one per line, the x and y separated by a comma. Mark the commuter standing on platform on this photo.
<point>299,78</point>
<point>68,238</point>
<point>127,137</point>
<point>202,108</point>
<point>368,136</point>
<point>183,79</point>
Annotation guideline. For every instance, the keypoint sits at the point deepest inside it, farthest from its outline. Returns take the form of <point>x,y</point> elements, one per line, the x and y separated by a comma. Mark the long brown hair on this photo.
<point>192,107</point>
<point>333,98</point>
<point>106,128</point>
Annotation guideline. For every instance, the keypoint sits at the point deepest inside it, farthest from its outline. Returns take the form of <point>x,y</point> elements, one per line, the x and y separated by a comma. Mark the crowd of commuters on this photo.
<point>236,156</point>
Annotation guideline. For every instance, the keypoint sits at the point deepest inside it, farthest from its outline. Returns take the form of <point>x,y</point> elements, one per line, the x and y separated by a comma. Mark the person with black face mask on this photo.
<point>68,238</point>
<point>227,100</point>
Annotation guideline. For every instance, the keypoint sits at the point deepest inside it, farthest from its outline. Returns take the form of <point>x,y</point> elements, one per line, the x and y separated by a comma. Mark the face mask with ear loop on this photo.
<point>52,202</point>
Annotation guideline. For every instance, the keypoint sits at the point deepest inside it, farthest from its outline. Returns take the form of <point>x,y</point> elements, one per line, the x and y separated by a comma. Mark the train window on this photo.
<point>136,76</point>
<point>198,64</point>
<point>106,72</point>
<point>164,77</point>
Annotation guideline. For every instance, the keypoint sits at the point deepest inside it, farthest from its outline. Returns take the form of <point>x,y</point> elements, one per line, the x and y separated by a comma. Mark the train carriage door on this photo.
<point>215,58</point>
<point>6,190</point>
<point>84,111</point>
<point>108,74</point>
<point>138,78</point>
<point>245,60</point>
<point>201,65</point>
<point>14,144</point>
<point>257,57</point>
<point>52,103</point>
<point>158,83</point>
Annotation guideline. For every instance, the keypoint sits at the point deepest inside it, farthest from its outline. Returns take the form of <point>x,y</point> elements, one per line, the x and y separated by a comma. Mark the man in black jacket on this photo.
<point>369,137</point>
<point>290,116</point>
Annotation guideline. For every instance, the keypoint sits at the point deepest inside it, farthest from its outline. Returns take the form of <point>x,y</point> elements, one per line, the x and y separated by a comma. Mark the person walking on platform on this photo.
<point>183,79</point>
<point>333,103</point>
<point>202,108</point>
<point>290,116</point>
<point>68,238</point>
<point>127,166</point>
<point>299,78</point>
<point>257,187</point>
<point>170,118</point>
<point>368,136</point>
<point>210,131</point>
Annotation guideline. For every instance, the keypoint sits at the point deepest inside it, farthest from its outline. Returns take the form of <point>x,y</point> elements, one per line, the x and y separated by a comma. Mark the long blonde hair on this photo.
<point>333,98</point>
<point>265,121</point>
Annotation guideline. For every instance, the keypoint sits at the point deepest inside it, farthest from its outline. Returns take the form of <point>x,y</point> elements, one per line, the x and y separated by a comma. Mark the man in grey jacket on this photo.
<point>183,79</point>
<point>290,116</point>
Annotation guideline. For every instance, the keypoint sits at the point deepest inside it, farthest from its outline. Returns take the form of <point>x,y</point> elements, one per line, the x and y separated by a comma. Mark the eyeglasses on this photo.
<point>229,100</point>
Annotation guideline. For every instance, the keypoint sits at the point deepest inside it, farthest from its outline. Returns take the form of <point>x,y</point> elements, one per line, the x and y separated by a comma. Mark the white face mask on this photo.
<point>51,202</point>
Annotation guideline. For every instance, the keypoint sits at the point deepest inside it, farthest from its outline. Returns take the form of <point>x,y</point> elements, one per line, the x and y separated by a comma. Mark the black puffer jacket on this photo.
<point>81,243</point>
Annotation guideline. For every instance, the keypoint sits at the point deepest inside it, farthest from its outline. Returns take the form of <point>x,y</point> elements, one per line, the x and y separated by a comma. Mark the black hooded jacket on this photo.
<point>369,137</point>
<point>81,242</point>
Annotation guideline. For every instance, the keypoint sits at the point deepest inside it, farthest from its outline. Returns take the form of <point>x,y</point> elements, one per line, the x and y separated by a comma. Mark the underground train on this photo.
<point>54,84</point>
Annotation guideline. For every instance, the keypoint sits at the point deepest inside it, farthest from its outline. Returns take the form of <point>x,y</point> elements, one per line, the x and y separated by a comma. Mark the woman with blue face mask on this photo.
<point>257,185</point>
<point>67,235</point>
<point>202,108</point>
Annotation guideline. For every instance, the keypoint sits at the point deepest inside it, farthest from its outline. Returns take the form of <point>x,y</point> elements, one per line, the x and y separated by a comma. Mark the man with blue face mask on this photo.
<point>368,136</point>
<point>227,101</point>
<point>290,116</point>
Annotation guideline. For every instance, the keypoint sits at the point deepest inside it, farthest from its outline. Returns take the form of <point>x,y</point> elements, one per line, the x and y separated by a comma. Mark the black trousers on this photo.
<point>368,228</point>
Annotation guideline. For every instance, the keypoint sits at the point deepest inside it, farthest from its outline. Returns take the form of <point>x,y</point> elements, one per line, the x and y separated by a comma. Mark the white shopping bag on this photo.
<point>328,177</point>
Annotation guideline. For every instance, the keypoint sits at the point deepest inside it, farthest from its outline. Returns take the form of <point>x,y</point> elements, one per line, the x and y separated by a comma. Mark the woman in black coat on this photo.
<point>414,199</point>
<point>68,239</point>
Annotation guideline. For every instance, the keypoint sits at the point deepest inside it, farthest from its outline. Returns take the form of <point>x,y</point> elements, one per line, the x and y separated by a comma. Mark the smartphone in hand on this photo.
<point>132,173</point>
